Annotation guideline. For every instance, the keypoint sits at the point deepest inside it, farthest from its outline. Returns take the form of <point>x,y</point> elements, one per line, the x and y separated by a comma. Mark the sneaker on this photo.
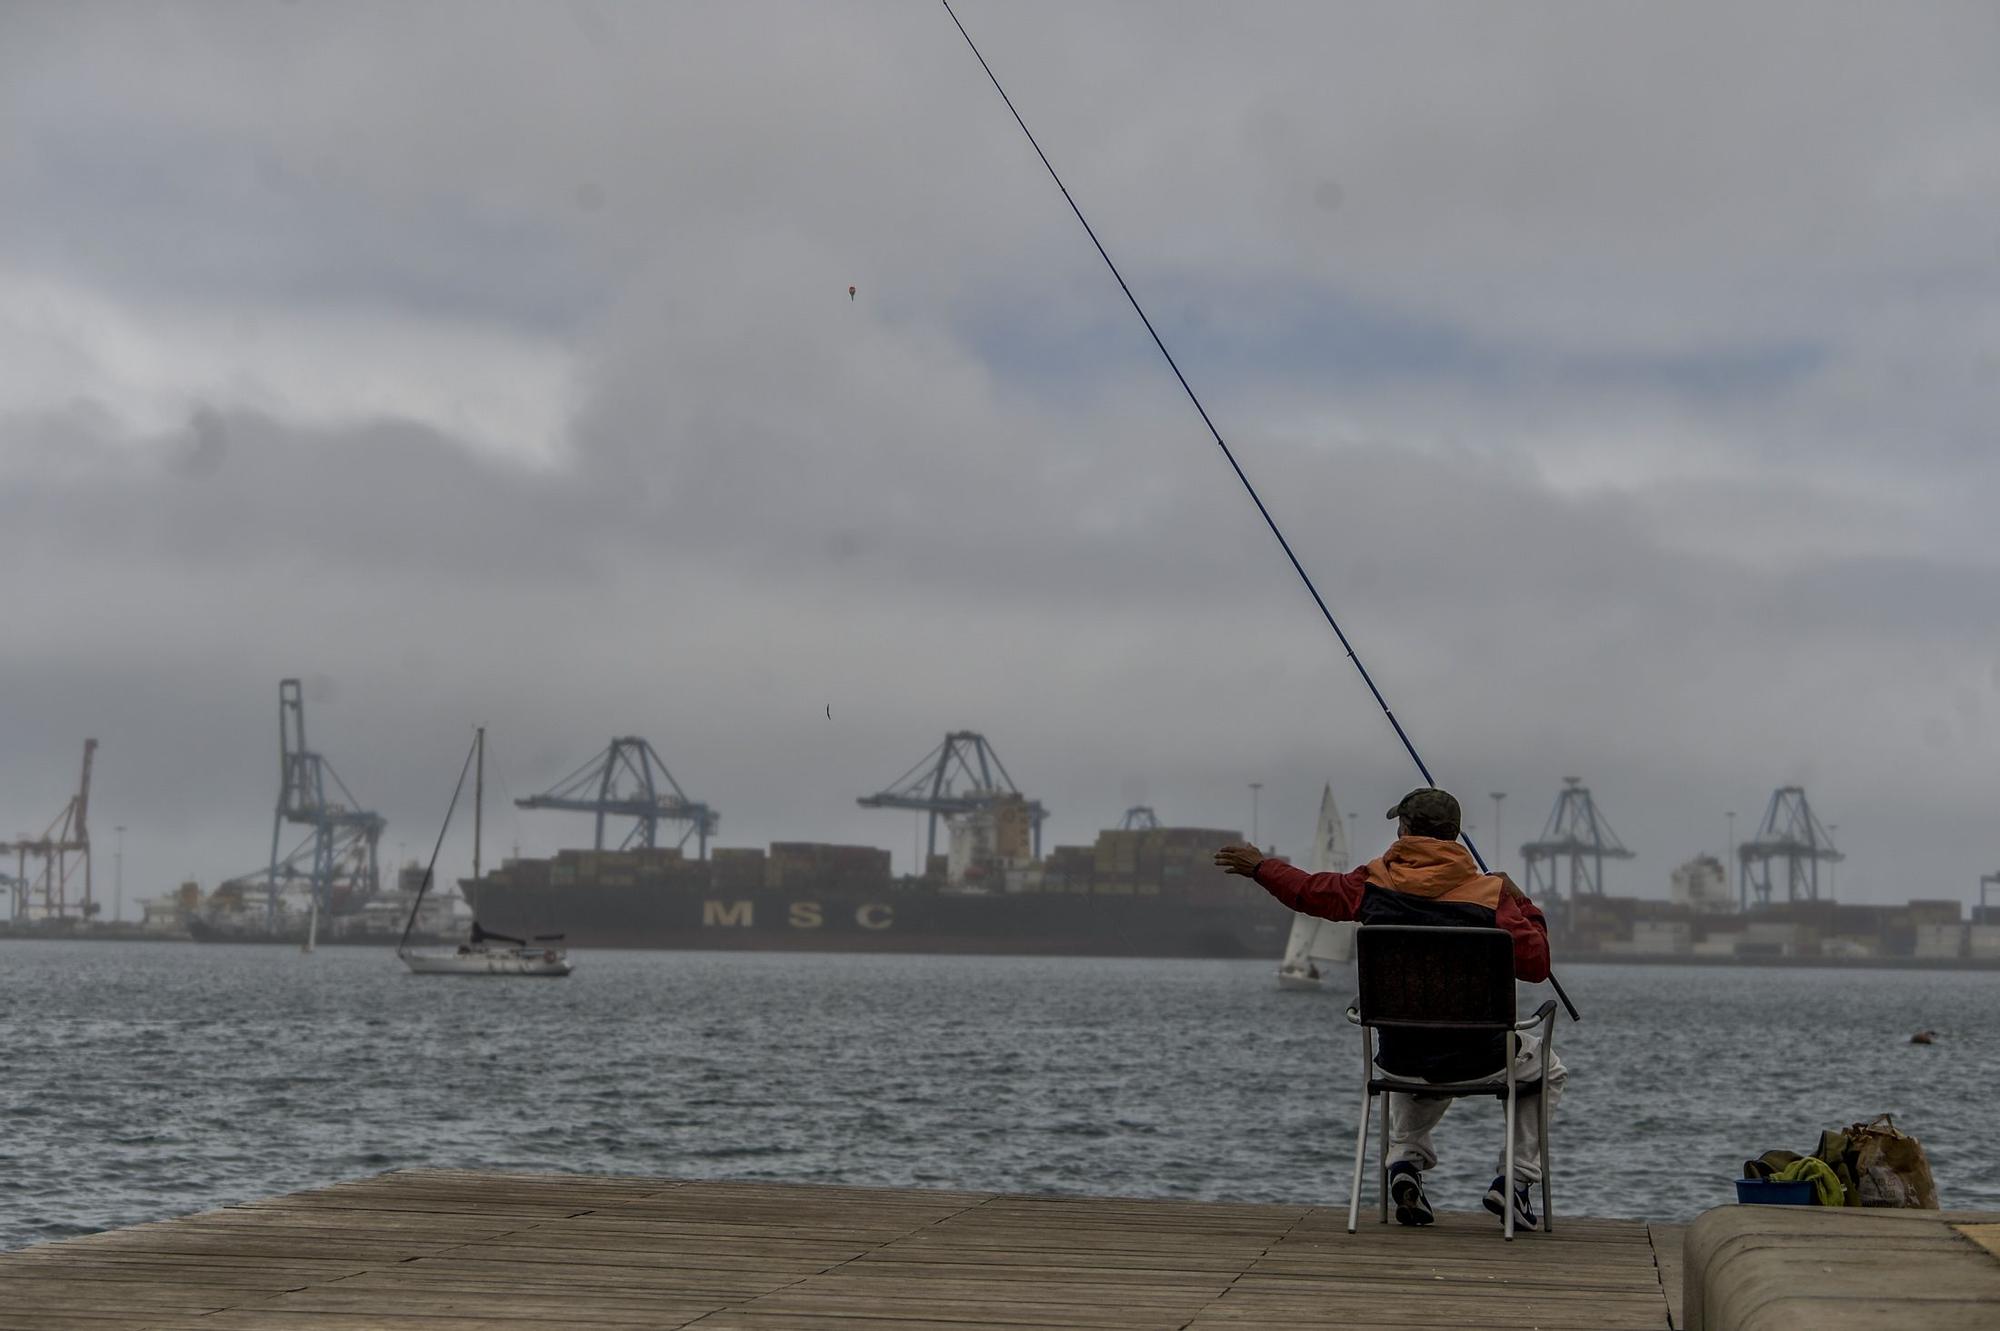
<point>1406,1190</point>
<point>1524,1206</point>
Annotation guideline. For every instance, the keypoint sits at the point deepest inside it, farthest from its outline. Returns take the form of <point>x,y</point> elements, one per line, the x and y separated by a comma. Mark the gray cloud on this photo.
<point>1632,404</point>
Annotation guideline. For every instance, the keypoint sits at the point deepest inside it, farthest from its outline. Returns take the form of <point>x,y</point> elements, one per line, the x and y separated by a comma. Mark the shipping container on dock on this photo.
<point>1149,893</point>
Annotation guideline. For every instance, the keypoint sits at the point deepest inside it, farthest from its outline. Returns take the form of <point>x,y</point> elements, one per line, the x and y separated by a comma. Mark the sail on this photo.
<point>1323,940</point>
<point>1332,941</point>
<point>1330,838</point>
<point>1298,947</point>
<point>1314,941</point>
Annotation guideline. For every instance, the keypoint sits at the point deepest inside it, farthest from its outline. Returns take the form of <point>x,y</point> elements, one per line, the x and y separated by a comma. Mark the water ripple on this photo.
<point>151,1080</point>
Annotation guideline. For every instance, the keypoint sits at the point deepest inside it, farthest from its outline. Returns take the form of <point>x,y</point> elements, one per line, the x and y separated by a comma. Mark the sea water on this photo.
<point>149,1080</point>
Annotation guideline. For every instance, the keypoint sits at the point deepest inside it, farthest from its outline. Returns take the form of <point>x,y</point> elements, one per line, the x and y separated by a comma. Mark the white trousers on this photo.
<point>1411,1118</point>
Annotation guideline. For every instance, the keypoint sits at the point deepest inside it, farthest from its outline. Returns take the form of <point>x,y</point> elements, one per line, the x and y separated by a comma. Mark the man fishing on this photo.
<point>1428,878</point>
<point>1424,878</point>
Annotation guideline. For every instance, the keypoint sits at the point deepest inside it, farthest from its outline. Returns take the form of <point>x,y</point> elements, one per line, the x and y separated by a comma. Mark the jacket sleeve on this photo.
<point>1523,919</point>
<point>1331,896</point>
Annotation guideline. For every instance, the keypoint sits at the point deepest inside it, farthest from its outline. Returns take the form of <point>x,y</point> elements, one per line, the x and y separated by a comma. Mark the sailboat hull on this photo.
<point>541,964</point>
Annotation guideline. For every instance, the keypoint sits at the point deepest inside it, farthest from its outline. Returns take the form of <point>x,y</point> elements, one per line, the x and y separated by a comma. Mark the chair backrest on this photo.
<point>1435,975</point>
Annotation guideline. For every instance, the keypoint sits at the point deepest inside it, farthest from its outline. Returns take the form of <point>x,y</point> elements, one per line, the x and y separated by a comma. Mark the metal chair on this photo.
<point>1434,978</point>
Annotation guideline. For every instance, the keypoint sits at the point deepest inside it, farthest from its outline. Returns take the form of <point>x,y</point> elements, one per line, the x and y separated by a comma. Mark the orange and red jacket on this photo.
<point>1419,880</point>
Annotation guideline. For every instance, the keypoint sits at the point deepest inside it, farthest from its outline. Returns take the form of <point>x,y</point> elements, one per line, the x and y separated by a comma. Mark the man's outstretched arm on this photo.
<point>1331,896</point>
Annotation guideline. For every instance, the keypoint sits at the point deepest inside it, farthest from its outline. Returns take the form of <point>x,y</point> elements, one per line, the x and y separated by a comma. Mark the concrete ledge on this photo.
<point>1808,1268</point>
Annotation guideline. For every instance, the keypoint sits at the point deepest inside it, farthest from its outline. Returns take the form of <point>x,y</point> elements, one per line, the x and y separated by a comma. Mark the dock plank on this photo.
<point>1666,1240</point>
<point>452,1250</point>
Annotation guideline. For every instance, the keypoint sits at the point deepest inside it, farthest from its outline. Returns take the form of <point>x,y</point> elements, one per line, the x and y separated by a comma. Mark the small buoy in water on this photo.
<point>1924,1037</point>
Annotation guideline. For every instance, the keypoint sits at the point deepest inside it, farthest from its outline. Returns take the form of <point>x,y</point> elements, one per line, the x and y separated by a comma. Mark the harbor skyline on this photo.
<point>557,833</point>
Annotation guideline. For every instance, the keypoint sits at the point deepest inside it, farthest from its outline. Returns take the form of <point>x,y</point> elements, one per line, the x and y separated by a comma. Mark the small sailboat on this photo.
<point>542,956</point>
<point>478,955</point>
<point>1318,946</point>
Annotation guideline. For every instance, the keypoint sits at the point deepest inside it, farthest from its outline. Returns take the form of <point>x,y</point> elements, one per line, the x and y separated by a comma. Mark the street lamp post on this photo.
<point>1729,857</point>
<point>1255,786</point>
<point>1498,795</point>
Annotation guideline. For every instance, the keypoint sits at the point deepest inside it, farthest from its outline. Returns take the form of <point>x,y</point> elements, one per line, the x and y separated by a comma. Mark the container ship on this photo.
<point>1138,892</point>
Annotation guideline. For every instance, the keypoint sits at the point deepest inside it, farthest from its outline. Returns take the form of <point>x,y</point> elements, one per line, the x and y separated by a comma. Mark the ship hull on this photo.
<point>891,920</point>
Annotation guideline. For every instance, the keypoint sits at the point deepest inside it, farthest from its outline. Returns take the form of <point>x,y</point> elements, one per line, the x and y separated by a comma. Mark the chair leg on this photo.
<point>1382,1162</point>
<point>1507,1174</point>
<point>1360,1158</point>
<point>1549,1170</point>
<point>1548,1207</point>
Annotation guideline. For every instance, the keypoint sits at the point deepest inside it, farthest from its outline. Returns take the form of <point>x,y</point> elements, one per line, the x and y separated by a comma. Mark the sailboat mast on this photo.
<point>478,795</point>
<point>457,789</point>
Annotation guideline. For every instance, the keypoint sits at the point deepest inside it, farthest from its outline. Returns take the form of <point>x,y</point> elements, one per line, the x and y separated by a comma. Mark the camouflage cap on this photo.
<point>1430,809</point>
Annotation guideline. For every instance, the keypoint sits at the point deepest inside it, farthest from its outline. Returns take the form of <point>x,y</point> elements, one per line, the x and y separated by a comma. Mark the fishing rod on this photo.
<point>1227,452</point>
<point>424,887</point>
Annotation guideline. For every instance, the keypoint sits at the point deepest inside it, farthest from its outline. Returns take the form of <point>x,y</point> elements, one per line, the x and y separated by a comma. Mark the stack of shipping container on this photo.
<point>1176,862</point>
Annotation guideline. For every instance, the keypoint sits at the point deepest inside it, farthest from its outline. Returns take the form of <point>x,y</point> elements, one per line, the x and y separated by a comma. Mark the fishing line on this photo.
<point>1223,444</point>
<point>464,767</point>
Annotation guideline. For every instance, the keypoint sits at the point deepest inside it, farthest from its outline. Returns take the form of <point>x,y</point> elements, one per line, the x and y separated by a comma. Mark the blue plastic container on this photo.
<point>1763,1192</point>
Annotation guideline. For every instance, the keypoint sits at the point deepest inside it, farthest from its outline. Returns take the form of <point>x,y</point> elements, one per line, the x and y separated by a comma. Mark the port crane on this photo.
<point>961,775</point>
<point>1577,832</point>
<point>63,849</point>
<point>1791,832</point>
<point>337,857</point>
<point>629,780</point>
<point>1139,818</point>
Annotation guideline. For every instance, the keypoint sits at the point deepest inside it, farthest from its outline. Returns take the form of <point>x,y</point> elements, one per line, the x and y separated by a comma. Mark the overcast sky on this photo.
<point>1627,377</point>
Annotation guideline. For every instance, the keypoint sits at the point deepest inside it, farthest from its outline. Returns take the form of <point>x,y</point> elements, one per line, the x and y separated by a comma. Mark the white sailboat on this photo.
<point>1318,946</point>
<point>478,955</point>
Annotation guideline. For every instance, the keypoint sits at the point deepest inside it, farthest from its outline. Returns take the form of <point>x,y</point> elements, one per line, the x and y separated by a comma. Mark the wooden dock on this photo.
<point>441,1250</point>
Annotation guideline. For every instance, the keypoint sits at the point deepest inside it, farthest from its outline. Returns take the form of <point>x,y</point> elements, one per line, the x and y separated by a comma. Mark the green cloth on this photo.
<point>1811,1169</point>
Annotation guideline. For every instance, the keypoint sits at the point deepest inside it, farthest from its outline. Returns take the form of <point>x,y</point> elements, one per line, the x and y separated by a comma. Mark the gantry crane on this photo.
<point>961,775</point>
<point>1791,832</point>
<point>62,849</point>
<point>628,780</point>
<point>336,861</point>
<point>1577,832</point>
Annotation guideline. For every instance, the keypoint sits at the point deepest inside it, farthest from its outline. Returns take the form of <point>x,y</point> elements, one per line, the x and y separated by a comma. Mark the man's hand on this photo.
<point>1239,860</point>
